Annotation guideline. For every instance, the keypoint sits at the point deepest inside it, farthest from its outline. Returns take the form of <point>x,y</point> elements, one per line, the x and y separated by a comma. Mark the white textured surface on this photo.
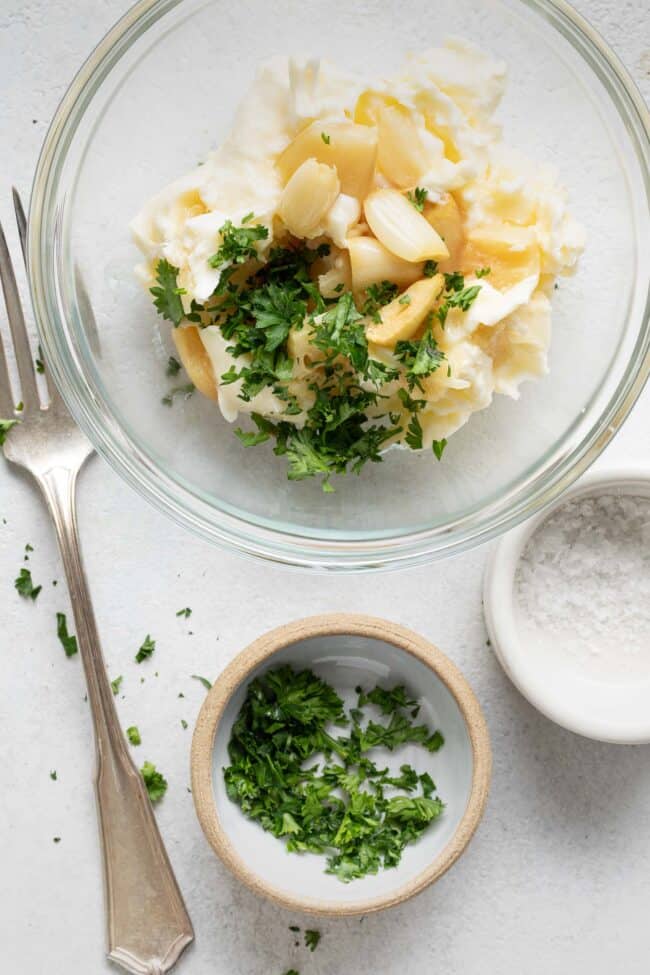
<point>558,878</point>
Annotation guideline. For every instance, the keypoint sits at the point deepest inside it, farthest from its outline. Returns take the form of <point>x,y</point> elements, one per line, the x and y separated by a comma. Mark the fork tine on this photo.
<point>18,331</point>
<point>6,399</point>
<point>21,220</point>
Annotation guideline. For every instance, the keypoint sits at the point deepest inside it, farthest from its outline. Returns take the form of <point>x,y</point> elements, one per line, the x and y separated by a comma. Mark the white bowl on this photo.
<point>347,651</point>
<point>613,712</point>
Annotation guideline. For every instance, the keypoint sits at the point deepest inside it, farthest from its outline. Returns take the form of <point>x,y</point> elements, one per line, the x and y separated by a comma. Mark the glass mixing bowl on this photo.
<point>157,94</point>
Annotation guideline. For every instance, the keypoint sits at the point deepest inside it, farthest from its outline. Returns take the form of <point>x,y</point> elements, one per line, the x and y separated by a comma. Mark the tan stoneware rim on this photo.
<point>336,624</point>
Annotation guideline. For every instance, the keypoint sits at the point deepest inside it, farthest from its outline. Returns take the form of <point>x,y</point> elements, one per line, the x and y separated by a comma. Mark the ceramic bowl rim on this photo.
<point>262,649</point>
<point>499,603</point>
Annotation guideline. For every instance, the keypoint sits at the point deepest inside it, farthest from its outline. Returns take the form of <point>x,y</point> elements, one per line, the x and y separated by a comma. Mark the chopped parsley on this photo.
<point>456,295</point>
<point>204,680</point>
<point>420,357</point>
<point>68,640</point>
<point>183,723</point>
<point>147,648</point>
<point>155,782</point>
<point>417,198</point>
<point>115,685</point>
<point>414,433</point>
<point>186,612</point>
<point>238,243</point>
<point>318,790</point>
<point>173,366</point>
<point>133,735</point>
<point>56,839</point>
<point>53,775</point>
<point>378,295</point>
<point>312,938</point>
<point>483,272</point>
<point>25,586</point>
<point>167,294</point>
<point>430,268</point>
<point>326,138</point>
<point>5,427</point>
<point>39,363</point>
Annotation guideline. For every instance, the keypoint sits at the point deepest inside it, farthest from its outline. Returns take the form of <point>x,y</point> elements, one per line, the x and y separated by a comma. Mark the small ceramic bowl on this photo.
<point>611,711</point>
<point>347,651</point>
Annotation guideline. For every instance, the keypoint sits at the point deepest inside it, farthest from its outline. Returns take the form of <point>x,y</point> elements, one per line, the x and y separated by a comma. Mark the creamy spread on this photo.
<point>502,220</point>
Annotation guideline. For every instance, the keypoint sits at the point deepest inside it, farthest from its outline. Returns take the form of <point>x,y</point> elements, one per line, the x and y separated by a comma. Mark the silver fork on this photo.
<point>148,924</point>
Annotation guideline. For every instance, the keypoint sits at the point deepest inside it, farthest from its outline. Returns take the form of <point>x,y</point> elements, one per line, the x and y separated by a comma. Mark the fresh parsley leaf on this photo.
<point>25,586</point>
<point>167,294</point>
<point>430,268</point>
<point>414,433</point>
<point>186,612</point>
<point>173,366</point>
<point>454,281</point>
<point>155,782</point>
<point>326,138</point>
<point>133,735</point>
<point>116,684</point>
<point>238,243</point>
<point>417,198</point>
<point>438,446</point>
<point>204,680</point>
<point>68,640</point>
<point>312,938</point>
<point>251,438</point>
<point>147,648</point>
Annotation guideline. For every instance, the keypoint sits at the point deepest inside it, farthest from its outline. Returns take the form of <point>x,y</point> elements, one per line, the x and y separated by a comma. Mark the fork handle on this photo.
<point>148,924</point>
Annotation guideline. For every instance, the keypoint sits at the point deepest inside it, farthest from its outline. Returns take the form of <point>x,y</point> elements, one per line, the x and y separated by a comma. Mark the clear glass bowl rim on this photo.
<point>248,536</point>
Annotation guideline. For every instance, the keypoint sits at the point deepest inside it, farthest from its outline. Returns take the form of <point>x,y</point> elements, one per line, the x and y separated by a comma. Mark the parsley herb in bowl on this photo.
<point>340,764</point>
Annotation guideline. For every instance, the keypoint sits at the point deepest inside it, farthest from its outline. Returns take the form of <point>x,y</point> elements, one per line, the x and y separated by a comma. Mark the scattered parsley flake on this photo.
<point>294,928</point>
<point>483,272</point>
<point>312,938</point>
<point>204,680</point>
<point>378,295</point>
<point>186,612</point>
<point>438,447</point>
<point>39,363</point>
<point>115,685</point>
<point>173,366</point>
<point>53,775</point>
<point>133,735</point>
<point>430,268</point>
<point>145,650</point>
<point>405,300</point>
<point>56,839</point>
<point>155,782</point>
<point>183,723</point>
<point>68,640</point>
<point>326,138</point>
<point>25,586</point>
<point>417,198</point>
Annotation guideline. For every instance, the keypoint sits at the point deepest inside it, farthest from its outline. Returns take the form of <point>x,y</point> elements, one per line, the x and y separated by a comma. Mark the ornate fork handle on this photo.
<point>148,925</point>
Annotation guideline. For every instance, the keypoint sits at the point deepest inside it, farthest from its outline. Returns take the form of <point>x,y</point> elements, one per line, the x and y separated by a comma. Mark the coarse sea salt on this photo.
<point>582,587</point>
